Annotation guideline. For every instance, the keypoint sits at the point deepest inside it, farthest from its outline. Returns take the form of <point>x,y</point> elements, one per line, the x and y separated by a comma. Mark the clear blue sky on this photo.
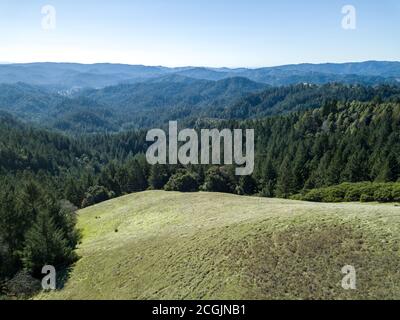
<point>232,33</point>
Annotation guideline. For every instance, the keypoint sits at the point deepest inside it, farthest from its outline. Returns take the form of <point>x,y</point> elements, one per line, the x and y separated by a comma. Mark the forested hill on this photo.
<point>340,142</point>
<point>153,103</point>
<point>345,142</point>
<point>281,100</point>
<point>115,108</point>
<point>65,76</point>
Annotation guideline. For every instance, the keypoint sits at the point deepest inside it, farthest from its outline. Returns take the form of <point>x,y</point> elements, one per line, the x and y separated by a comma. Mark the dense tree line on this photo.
<point>339,142</point>
<point>345,142</point>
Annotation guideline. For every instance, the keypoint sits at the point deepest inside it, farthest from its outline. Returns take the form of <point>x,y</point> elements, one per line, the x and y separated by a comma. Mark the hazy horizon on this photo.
<point>196,66</point>
<point>216,33</point>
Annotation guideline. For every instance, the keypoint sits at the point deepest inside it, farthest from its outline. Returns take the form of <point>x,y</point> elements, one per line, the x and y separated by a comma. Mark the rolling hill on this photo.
<point>158,245</point>
<point>125,105</point>
<point>154,102</point>
<point>69,75</point>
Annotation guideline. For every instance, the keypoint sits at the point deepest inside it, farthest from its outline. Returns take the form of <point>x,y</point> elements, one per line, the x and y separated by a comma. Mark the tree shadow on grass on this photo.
<point>63,276</point>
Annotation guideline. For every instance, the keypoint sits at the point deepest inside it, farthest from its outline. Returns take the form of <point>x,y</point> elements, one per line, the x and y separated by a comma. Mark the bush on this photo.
<point>22,285</point>
<point>315,195</point>
<point>364,192</point>
<point>297,197</point>
<point>354,191</point>
<point>183,182</point>
<point>334,194</point>
<point>396,193</point>
<point>366,198</point>
<point>369,189</point>
<point>353,194</point>
<point>383,194</point>
<point>218,180</point>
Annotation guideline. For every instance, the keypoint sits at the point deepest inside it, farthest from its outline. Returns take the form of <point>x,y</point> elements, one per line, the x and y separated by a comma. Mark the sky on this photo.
<point>212,33</point>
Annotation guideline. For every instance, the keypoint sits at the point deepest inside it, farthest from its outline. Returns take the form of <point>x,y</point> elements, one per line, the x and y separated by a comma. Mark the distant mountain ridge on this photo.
<point>64,76</point>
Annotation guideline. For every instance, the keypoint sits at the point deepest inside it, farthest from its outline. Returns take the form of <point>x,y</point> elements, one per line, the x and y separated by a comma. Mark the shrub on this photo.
<point>22,285</point>
<point>315,195</point>
<point>217,180</point>
<point>183,182</point>
<point>369,189</point>
<point>298,197</point>
<point>383,194</point>
<point>354,191</point>
<point>334,194</point>
<point>366,198</point>
<point>353,194</point>
<point>396,193</point>
<point>363,191</point>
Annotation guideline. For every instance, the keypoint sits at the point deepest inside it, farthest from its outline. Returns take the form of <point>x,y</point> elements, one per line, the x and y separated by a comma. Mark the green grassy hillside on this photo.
<point>158,245</point>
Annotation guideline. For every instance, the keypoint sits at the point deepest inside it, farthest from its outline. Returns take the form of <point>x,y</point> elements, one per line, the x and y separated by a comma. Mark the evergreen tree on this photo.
<point>45,245</point>
<point>390,170</point>
<point>159,176</point>
<point>73,192</point>
<point>286,182</point>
